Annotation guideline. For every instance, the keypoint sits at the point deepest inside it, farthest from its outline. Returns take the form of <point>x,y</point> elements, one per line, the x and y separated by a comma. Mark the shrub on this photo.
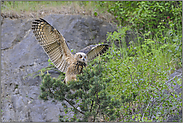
<point>139,72</point>
<point>87,97</point>
<point>146,16</point>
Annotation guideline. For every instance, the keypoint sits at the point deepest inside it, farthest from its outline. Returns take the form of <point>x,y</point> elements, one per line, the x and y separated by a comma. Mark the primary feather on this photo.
<point>53,44</point>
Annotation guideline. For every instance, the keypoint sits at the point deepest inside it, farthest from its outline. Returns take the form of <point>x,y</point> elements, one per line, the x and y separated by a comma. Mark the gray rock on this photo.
<point>173,89</point>
<point>81,31</point>
<point>172,82</point>
<point>22,55</point>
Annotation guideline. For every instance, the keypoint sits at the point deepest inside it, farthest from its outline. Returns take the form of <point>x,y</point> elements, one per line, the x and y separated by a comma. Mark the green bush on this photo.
<point>87,97</point>
<point>139,73</point>
<point>146,16</point>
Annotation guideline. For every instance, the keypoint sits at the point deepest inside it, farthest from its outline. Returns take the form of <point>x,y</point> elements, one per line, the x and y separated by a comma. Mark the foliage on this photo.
<point>86,96</point>
<point>146,16</point>
<point>141,71</point>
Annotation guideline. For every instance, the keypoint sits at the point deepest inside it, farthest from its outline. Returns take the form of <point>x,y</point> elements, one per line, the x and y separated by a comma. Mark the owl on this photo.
<point>59,53</point>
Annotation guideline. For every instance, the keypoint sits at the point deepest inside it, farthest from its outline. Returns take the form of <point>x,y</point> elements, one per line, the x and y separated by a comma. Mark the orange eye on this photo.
<point>85,57</point>
<point>80,56</point>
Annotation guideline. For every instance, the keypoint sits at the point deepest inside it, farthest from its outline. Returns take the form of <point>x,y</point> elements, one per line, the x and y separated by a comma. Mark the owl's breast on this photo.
<point>79,66</point>
<point>80,69</point>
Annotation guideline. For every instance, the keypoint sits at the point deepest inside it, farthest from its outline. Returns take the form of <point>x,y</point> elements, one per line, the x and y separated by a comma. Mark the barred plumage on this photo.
<point>59,53</point>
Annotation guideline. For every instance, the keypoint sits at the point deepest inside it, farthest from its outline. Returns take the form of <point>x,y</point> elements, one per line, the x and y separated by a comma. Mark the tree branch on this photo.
<point>91,106</point>
<point>74,106</point>
<point>69,103</point>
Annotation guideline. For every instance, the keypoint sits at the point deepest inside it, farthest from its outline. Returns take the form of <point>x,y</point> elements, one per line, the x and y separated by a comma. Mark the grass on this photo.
<point>29,6</point>
<point>42,8</point>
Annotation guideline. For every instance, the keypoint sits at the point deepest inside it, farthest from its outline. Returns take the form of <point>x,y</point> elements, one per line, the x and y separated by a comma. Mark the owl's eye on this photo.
<point>80,56</point>
<point>85,57</point>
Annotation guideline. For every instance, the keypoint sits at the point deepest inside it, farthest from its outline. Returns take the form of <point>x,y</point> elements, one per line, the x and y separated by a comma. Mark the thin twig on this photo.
<point>73,106</point>
<point>173,78</point>
<point>91,106</point>
<point>69,103</point>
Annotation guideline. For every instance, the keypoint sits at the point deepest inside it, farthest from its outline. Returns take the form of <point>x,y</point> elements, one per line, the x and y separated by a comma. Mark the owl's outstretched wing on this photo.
<point>53,44</point>
<point>93,51</point>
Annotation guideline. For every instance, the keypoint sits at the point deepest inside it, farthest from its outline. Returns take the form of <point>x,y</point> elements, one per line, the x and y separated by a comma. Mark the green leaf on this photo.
<point>95,13</point>
<point>49,60</point>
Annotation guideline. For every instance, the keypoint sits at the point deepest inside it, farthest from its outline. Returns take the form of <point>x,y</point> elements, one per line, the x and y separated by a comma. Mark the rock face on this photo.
<point>178,89</point>
<point>22,55</point>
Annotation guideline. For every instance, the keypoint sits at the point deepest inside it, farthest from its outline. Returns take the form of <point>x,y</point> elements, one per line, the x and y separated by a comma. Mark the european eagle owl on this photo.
<point>59,53</point>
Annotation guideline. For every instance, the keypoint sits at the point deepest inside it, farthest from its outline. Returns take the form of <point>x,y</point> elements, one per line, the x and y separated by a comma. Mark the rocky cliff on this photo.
<point>22,55</point>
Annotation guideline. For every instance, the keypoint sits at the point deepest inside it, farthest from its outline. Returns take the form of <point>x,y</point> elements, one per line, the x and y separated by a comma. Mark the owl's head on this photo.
<point>82,57</point>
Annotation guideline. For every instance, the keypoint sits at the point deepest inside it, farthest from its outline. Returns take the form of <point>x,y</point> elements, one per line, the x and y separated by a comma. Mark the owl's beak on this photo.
<point>84,59</point>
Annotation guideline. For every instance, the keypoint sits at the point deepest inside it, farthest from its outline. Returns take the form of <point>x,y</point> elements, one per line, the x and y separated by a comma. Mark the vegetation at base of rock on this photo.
<point>141,71</point>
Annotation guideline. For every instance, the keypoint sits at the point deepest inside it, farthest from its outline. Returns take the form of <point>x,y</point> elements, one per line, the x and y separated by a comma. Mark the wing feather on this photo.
<point>93,51</point>
<point>63,65</point>
<point>53,44</point>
